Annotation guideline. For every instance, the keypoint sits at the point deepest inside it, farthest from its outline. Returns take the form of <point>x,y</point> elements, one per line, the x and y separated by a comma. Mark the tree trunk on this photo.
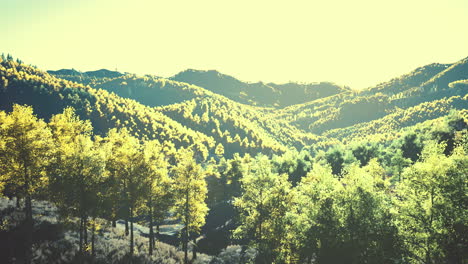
<point>126,227</point>
<point>18,202</point>
<point>81,235</point>
<point>30,228</point>
<point>131,232</point>
<point>93,230</point>
<point>151,232</point>
<point>85,230</point>
<point>157,235</point>
<point>194,248</point>
<point>185,246</point>
<point>186,231</point>
<point>28,209</point>
<point>242,254</point>
<point>114,223</point>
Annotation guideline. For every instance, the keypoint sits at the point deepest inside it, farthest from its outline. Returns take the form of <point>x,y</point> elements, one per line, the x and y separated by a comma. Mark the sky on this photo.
<point>355,43</point>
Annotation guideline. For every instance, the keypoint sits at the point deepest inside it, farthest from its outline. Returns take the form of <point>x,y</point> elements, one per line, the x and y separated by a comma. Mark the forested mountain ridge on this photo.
<point>235,128</point>
<point>149,90</point>
<point>296,125</point>
<point>102,73</point>
<point>256,94</point>
<point>261,94</point>
<point>415,78</point>
<point>238,127</point>
<point>22,84</point>
<point>410,92</point>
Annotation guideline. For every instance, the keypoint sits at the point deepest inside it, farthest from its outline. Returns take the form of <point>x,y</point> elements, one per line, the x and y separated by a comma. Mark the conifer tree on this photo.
<point>190,192</point>
<point>128,165</point>
<point>157,185</point>
<point>265,200</point>
<point>432,204</point>
<point>78,171</point>
<point>25,152</point>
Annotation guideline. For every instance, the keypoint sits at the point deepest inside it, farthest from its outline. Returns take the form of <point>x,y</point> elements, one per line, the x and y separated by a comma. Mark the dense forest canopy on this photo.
<point>243,172</point>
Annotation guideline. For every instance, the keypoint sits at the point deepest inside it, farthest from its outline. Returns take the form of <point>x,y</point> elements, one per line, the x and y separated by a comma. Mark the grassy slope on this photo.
<point>56,239</point>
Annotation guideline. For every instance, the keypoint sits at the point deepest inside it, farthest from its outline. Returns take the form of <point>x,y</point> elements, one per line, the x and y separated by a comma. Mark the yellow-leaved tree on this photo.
<point>190,192</point>
<point>158,185</point>
<point>77,172</point>
<point>25,152</point>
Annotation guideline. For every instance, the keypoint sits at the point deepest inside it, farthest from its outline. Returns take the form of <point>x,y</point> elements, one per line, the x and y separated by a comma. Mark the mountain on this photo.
<point>22,84</point>
<point>102,73</point>
<point>216,115</point>
<point>413,79</point>
<point>238,127</point>
<point>260,94</point>
<point>423,87</point>
<point>245,118</point>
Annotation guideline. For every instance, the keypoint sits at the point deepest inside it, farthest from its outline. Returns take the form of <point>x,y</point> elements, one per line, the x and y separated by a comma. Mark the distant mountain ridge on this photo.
<point>260,94</point>
<point>102,73</point>
<point>243,117</point>
<point>256,94</point>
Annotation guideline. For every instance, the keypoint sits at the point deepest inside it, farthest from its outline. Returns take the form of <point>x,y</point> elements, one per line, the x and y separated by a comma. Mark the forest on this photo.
<point>95,167</point>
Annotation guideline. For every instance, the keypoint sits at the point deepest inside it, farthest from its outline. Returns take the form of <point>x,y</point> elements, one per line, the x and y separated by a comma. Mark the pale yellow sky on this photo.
<point>355,43</point>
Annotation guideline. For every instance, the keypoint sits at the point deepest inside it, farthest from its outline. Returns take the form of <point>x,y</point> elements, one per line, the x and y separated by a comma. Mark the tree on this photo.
<point>114,202</point>
<point>77,172</point>
<point>265,200</point>
<point>411,146</point>
<point>335,157</point>
<point>157,185</point>
<point>219,150</point>
<point>398,162</point>
<point>190,192</point>
<point>365,152</point>
<point>130,170</point>
<point>25,152</point>
<point>369,225</point>
<point>432,204</point>
<point>317,220</point>
<point>295,164</point>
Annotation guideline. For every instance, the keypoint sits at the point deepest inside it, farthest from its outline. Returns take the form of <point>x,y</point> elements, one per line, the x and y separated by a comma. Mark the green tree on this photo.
<point>127,169</point>
<point>190,191</point>
<point>432,203</point>
<point>335,157</point>
<point>317,219</point>
<point>77,172</point>
<point>365,152</point>
<point>25,151</point>
<point>157,185</point>
<point>398,163</point>
<point>130,158</point>
<point>411,146</point>
<point>263,205</point>
<point>219,150</point>
<point>369,226</point>
<point>295,164</point>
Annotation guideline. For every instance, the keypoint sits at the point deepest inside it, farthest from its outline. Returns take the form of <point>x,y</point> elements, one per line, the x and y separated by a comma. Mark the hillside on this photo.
<point>239,128</point>
<point>260,94</point>
<point>148,90</point>
<point>56,241</point>
<point>221,109</point>
<point>413,79</point>
<point>386,101</point>
<point>22,84</point>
